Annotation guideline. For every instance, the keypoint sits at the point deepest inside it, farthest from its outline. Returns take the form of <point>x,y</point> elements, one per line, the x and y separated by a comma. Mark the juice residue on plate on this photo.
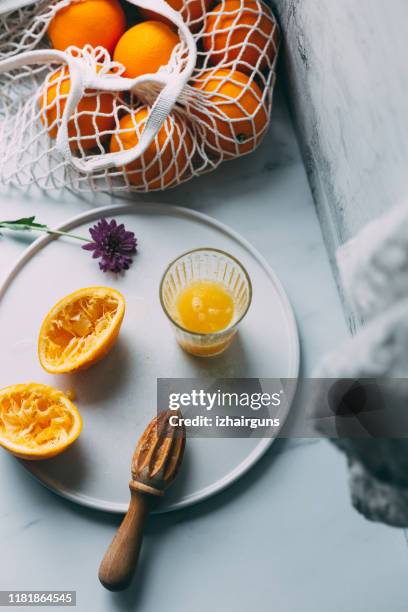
<point>205,307</point>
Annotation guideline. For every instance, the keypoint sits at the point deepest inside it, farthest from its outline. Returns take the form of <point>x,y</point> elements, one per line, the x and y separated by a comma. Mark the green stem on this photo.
<point>57,233</point>
<point>45,229</point>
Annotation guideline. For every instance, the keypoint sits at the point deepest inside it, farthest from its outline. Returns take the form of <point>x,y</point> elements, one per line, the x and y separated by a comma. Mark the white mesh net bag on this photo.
<point>78,118</point>
<point>23,24</point>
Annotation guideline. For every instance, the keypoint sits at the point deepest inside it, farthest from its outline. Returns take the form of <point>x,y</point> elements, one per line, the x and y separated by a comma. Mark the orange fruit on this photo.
<point>80,329</point>
<point>88,22</point>
<point>37,421</point>
<point>192,11</point>
<point>94,110</point>
<point>242,30</point>
<point>164,160</point>
<point>145,48</point>
<point>235,118</point>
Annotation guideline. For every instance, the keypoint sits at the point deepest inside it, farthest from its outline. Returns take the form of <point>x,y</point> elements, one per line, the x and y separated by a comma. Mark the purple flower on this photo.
<point>113,244</point>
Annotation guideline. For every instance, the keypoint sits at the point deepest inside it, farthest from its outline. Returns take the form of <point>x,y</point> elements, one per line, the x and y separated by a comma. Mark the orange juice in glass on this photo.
<point>205,293</point>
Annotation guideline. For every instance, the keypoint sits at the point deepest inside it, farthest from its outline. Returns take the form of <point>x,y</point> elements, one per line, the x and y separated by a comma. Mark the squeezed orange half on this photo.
<point>80,329</point>
<point>37,421</point>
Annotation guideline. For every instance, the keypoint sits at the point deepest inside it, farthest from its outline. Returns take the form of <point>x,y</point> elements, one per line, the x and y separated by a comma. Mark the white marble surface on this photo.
<point>348,79</point>
<point>285,536</point>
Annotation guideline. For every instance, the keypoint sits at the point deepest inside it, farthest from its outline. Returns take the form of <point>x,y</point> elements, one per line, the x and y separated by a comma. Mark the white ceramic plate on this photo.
<point>117,396</point>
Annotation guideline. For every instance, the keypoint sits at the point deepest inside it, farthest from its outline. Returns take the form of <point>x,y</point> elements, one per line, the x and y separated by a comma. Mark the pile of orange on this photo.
<point>239,39</point>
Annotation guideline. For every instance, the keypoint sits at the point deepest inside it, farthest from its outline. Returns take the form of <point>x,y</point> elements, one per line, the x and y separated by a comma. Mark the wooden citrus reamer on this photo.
<point>155,464</point>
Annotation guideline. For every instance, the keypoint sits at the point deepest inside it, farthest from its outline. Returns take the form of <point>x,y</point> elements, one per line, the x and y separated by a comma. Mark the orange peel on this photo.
<point>80,329</point>
<point>37,421</point>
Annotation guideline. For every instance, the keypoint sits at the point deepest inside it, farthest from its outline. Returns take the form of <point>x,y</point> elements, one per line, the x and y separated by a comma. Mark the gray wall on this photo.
<point>346,66</point>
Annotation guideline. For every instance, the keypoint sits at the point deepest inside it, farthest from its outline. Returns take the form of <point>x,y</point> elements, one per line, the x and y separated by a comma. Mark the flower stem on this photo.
<point>58,233</point>
<point>44,229</point>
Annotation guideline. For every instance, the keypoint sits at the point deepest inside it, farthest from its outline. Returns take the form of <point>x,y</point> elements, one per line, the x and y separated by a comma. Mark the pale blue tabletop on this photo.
<point>284,537</point>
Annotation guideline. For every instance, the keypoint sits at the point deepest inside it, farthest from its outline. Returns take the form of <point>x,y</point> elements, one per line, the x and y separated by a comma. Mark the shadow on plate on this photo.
<point>102,380</point>
<point>231,364</point>
<point>65,472</point>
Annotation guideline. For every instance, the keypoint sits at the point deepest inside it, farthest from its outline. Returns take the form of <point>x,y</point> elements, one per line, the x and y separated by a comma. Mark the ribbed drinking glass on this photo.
<point>216,266</point>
